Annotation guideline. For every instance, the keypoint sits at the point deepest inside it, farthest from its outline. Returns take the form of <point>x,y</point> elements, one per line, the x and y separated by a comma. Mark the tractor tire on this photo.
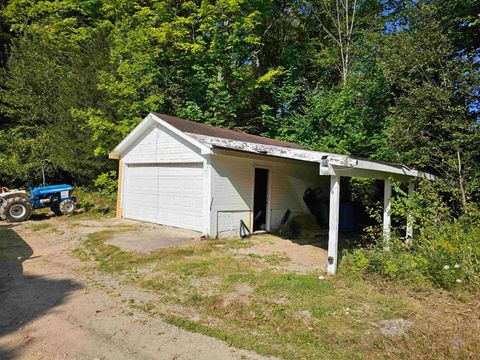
<point>16,209</point>
<point>67,207</point>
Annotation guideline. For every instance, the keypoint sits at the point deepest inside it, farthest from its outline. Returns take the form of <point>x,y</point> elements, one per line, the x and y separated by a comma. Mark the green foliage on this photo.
<point>21,158</point>
<point>107,182</point>
<point>433,122</point>
<point>95,201</point>
<point>345,120</point>
<point>44,81</point>
<point>446,258</point>
<point>444,252</point>
<point>79,75</point>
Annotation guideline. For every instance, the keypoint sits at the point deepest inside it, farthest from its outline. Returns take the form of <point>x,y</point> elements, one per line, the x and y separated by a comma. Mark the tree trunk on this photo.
<point>461,181</point>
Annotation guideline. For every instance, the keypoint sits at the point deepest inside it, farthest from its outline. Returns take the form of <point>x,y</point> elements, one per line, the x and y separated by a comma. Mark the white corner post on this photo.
<point>333,224</point>
<point>207,197</point>
<point>387,206</point>
<point>409,232</point>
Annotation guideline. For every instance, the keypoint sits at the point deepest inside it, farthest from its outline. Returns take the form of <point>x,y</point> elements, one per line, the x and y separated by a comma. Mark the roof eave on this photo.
<point>146,124</point>
<point>330,163</point>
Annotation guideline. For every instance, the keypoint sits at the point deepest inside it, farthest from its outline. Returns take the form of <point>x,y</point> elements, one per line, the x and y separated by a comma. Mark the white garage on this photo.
<point>223,183</point>
<point>163,178</point>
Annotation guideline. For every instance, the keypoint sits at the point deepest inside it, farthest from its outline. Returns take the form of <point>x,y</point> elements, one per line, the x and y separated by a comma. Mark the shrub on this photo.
<point>447,256</point>
<point>107,182</point>
<point>93,200</point>
<point>445,251</point>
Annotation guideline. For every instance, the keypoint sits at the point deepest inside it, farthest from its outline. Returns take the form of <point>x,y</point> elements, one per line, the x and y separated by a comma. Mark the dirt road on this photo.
<point>50,309</point>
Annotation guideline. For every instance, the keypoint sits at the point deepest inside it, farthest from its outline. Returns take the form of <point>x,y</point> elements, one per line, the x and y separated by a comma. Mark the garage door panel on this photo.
<point>170,194</point>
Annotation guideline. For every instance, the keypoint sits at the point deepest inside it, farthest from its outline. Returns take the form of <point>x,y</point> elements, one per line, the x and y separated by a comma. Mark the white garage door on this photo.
<point>166,194</point>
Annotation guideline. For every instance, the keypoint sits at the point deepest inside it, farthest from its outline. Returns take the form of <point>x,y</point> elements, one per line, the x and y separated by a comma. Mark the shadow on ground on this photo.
<point>307,232</point>
<point>40,216</point>
<point>24,297</point>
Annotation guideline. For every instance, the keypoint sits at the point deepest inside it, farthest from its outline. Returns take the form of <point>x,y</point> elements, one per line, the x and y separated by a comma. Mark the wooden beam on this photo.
<point>387,205</point>
<point>361,173</point>
<point>409,234</point>
<point>333,225</point>
<point>114,156</point>
<point>119,211</point>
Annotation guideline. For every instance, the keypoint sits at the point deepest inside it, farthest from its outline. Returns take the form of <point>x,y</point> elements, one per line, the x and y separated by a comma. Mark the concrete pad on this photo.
<point>150,237</point>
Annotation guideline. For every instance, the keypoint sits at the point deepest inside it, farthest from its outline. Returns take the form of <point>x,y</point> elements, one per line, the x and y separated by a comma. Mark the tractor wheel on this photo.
<point>16,209</point>
<point>67,207</point>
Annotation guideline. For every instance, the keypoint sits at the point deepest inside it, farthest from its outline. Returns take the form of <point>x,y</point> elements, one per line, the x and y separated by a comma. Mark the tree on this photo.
<point>349,120</point>
<point>338,21</point>
<point>393,80</point>
<point>433,123</point>
<point>44,83</point>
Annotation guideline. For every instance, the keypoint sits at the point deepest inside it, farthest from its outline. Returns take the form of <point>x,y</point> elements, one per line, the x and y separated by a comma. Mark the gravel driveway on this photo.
<point>49,309</point>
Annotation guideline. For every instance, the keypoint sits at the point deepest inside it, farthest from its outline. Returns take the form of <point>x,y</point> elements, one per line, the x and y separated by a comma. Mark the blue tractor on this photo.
<point>17,205</point>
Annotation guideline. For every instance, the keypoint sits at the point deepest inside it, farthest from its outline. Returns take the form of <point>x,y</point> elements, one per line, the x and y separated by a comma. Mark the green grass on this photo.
<point>275,259</point>
<point>249,303</point>
<point>41,226</point>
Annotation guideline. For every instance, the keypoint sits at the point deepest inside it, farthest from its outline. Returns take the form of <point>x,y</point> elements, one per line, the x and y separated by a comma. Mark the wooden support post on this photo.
<point>119,210</point>
<point>333,224</point>
<point>409,234</point>
<point>387,194</point>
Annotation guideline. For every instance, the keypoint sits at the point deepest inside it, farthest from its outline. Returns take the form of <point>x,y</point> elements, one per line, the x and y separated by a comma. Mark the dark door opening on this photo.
<point>260,198</point>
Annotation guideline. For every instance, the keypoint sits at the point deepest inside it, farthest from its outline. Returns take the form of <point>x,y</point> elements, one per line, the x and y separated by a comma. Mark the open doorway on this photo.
<point>260,199</point>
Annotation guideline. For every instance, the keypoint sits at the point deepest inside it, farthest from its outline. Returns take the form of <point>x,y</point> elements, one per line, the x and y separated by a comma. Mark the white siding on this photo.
<point>289,183</point>
<point>228,222</point>
<point>232,195</point>
<point>232,190</point>
<point>161,145</point>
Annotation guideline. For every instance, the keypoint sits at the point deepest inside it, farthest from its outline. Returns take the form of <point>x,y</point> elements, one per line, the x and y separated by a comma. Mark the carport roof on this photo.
<point>208,138</point>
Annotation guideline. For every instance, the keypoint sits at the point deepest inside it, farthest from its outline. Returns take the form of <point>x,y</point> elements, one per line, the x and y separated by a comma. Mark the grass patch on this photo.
<point>109,258</point>
<point>249,303</point>
<point>93,215</point>
<point>275,259</point>
<point>40,226</point>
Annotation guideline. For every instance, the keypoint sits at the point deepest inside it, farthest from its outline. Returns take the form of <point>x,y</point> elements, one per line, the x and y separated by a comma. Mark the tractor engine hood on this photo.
<point>53,189</point>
